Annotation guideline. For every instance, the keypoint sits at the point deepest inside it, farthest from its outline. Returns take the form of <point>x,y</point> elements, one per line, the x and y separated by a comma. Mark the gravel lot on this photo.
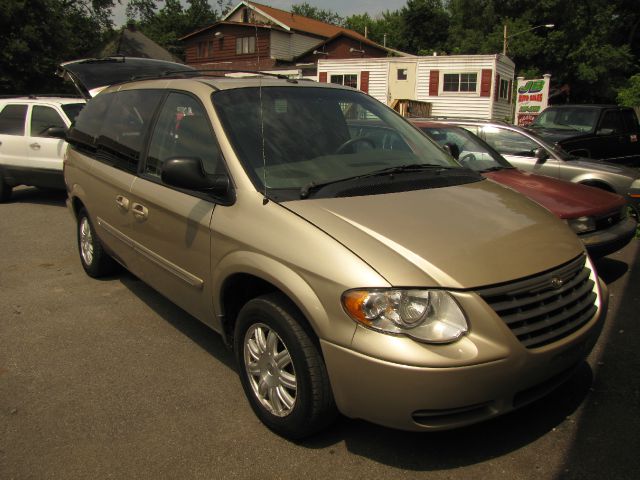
<point>107,379</point>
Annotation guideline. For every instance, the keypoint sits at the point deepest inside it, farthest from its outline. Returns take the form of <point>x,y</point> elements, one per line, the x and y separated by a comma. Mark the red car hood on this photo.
<point>564,199</point>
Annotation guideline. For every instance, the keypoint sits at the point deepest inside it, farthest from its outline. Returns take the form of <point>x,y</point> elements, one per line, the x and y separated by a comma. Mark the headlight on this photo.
<point>582,224</point>
<point>426,315</point>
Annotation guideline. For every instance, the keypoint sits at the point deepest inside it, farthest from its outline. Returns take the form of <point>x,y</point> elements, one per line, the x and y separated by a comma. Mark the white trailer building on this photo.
<point>476,86</point>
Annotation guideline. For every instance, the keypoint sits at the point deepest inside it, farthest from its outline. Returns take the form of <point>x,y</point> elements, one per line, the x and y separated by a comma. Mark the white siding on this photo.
<point>280,45</point>
<point>455,104</point>
<point>502,109</point>
<point>378,73</point>
<point>302,43</point>
<point>287,46</point>
<point>443,105</point>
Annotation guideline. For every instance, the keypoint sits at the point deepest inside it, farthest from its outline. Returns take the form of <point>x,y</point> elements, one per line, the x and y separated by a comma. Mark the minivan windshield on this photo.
<point>302,139</point>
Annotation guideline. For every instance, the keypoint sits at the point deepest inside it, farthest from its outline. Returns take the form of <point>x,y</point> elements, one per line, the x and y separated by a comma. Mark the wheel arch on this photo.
<point>245,275</point>
<point>597,183</point>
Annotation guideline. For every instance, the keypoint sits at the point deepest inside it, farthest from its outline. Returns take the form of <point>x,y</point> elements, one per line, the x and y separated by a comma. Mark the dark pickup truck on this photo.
<point>596,131</point>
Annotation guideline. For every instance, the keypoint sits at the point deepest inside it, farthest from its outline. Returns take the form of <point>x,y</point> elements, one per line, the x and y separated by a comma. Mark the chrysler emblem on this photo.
<point>557,282</point>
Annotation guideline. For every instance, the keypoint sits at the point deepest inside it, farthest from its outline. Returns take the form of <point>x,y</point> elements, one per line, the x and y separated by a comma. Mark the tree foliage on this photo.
<point>629,94</point>
<point>37,35</point>
<point>594,46</point>
<point>327,16</point>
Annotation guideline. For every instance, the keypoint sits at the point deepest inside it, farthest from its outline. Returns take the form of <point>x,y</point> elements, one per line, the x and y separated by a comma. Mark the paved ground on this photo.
<point>107,379</point>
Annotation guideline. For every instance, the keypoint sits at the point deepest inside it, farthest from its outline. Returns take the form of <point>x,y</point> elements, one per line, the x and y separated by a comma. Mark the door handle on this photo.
<point>140,211</point>
<point>122,202</point>
<point>35,146</point>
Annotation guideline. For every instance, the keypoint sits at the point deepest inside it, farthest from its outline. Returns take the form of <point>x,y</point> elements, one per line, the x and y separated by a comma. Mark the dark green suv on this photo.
<point>595,131</point>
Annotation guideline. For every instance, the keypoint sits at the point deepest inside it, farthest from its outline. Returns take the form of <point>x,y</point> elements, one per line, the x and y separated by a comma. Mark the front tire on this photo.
<point>281,369</point>
<point>95,261</point>
<point>5,191</point>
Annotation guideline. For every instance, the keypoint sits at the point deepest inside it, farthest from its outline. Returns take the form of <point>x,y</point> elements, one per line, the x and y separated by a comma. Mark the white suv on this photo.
<point>31,140</point>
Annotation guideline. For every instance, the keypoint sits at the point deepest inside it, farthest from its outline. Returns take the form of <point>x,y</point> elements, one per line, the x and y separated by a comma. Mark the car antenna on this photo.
<point>265,198</point>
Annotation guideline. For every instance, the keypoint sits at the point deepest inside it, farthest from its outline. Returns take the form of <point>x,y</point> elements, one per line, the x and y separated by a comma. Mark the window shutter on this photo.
<point>322,77</point>
<point>485,84</point>
<point>496,92</point>
<point>434,82</point>
<point>364,82</point>
<point>510,88</point>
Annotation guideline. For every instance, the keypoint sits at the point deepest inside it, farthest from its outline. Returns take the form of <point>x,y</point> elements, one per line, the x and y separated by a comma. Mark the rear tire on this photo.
<point>281,369</point>
<point>95,261</point>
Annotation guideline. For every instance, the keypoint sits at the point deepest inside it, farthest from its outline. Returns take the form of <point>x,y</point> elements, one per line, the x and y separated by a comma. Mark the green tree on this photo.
<point>425,25</point>
<point>629,94</point>
<point>37,35</point>
<point>327,16</point>
<point>167,25</point>
<point>385,29</point>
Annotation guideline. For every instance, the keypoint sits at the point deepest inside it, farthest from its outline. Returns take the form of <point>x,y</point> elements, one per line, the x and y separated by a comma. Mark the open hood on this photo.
<point>90,76</point>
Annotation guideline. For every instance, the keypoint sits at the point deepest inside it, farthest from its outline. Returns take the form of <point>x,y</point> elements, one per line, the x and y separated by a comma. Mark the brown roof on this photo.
<point>304,24</point>
<point>131,42</point>
<point>217,24</point>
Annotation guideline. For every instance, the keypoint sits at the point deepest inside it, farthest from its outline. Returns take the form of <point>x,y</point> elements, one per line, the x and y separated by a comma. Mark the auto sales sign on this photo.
<point>532,98</point>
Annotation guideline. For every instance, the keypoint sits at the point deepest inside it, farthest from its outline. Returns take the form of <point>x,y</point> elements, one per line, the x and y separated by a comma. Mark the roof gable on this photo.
<point>292,21</point>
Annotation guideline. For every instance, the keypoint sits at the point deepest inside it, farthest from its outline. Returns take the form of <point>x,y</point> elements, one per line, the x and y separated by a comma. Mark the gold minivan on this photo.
<point>370,274</point>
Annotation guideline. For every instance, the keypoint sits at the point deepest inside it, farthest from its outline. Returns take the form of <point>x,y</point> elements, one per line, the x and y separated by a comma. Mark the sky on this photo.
<point>342,7</point>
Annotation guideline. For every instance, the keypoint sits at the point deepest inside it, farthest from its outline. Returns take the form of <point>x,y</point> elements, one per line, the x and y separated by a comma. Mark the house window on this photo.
<point>504,90</point>
<point>402,73</point>
<point>202,49</point>
<point>349,80</point>
<point>460,82</point>
<point>210,48</point>
<point>245,45</point>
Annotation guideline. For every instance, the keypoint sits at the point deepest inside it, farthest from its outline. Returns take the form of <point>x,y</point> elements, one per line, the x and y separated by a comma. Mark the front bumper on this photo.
<point>604,242</point>
<point>426,398</point>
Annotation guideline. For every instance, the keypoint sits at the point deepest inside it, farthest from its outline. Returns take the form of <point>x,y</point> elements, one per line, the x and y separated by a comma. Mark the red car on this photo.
<point>598,217</point>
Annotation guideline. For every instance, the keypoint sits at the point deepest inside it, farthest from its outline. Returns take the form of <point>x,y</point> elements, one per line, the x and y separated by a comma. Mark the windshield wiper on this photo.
<point>495,169</point>
<point>412,167</point>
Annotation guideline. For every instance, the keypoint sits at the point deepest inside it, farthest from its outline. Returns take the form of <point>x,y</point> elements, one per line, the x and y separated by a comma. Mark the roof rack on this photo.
<point>463,119</point>
<point>196,72</point>
<point>34,96</point>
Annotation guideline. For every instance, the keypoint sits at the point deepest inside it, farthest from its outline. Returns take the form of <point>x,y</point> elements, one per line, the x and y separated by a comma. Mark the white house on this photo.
<point>476,86</point>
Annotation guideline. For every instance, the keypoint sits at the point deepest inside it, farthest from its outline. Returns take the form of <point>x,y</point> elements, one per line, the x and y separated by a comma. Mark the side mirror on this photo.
<point>605,131</point>
<point>56,132</point>
<point>453,149</point>
<point>541,154</point>
<point>189,173</point>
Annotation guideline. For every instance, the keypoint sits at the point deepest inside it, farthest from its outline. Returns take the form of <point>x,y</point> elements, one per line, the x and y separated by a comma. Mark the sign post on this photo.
<point>532,96</point>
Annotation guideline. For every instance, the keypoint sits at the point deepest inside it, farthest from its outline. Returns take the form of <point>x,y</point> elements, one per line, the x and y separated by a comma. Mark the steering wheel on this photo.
<point>353,141</point>
<point>469,157</point>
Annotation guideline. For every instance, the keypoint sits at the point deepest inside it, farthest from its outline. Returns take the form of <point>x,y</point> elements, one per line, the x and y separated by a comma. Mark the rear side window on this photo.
<point>72,110</point>
<point>611,121</point>
<point>43,118</point>
<point>124,129</point>
<point>12,119</point>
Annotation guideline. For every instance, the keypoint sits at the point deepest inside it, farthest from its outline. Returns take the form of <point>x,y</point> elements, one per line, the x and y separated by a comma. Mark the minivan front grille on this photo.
<point>545,308</point>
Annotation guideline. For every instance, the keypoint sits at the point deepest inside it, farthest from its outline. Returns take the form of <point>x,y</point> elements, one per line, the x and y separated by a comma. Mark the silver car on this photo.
<point>527,151</point>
